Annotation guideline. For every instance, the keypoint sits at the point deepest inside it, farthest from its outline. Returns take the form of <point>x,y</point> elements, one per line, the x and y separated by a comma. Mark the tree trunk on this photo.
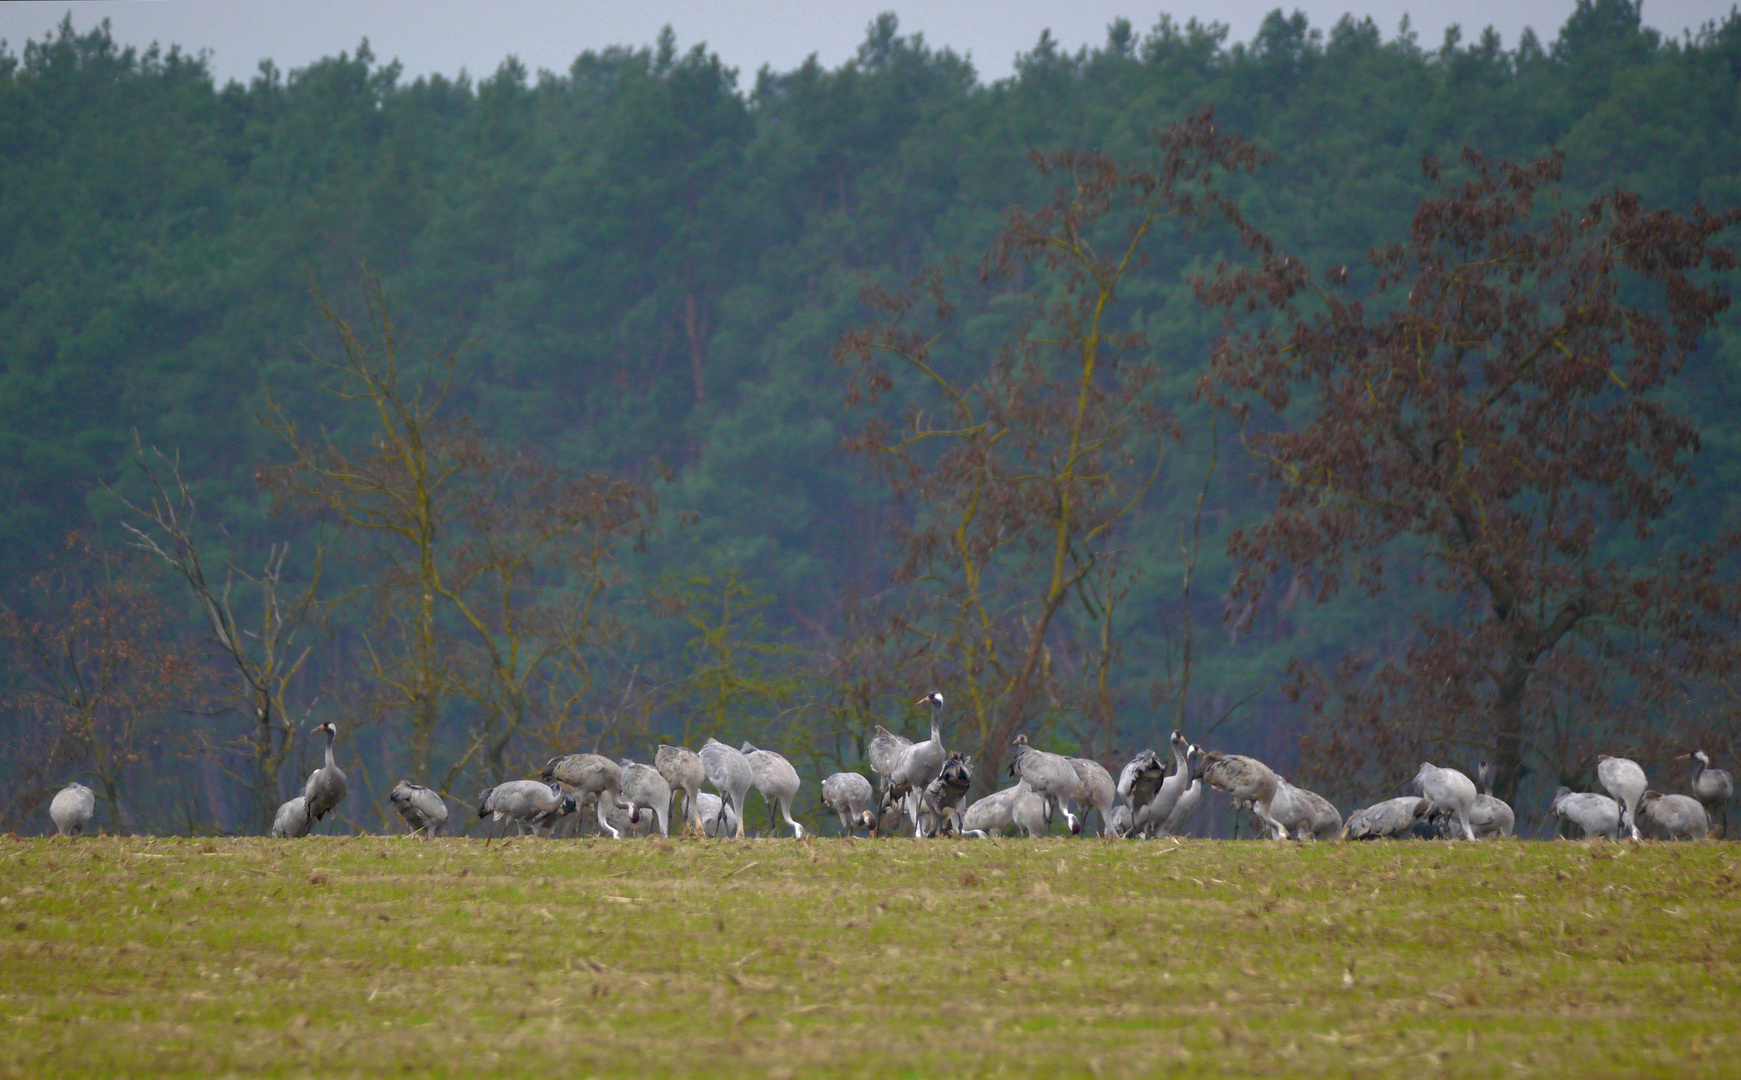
<point>1508,729</point>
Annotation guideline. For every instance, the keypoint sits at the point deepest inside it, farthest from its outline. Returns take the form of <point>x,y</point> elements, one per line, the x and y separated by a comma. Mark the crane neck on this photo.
<point>329,761</point>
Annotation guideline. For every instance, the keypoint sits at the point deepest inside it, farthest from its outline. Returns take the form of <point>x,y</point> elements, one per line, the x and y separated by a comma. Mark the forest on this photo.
<point>1335,397</point>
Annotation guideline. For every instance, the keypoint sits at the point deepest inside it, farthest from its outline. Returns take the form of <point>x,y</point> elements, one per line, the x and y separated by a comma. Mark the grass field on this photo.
<point>380,956</point>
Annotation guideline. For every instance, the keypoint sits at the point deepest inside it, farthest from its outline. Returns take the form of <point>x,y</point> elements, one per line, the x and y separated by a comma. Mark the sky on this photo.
<point>447,36</point>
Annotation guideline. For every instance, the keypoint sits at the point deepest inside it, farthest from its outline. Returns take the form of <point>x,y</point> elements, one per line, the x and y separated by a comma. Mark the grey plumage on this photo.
<point>731,775</point>
<point>777,780</point>
<point>1243,778</point>
<point>917,766</point>
<point>682,769</point>
<point>1624,779</point>
<point>531,805</point>
<point>717,817</point>
<point>1312,816</point>
<point>1188,799</point>
<point>849,795</point>
<point>589,775</point>
<point>1449,790</point>
<point>884,753</point>
<point>1098,789</point>
<point>1596,815</point>
<point>1712,787</point>
<point>424,810</point>
<point>645,788</point>
<point>944,795</point>
<point>291,821</point>
<point>1138,782</point>
<point>1015,807</point>
<point>72,808</point>
<point>1674,817</point>
<point>327,786</point>
<point>1050,776</point>
<point>1388,820</point>
<point>1490,816</point>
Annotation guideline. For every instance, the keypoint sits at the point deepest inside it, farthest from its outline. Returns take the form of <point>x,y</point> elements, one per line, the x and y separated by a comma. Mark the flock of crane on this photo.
<point>924,788</point>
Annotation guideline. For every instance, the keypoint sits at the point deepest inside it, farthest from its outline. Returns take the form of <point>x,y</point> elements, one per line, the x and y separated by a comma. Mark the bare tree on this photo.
<point>262,651</point>
<point>1487,406</point>
<point>100,671</point>
<point>1020,468</point>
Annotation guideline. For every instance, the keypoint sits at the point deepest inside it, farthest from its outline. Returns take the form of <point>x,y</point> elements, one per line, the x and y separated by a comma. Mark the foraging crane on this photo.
<point>1138,782</point>
<point>1597,815</point>
<point>594,775</point>
<point>1051,776</point>
<point>645,788</point>
<point>731,775</point>
<point>71,808</point>
<point>1243,778</point>
<point>1015,807</point>
<point>1677,817</point>
<point>849,795</point>
<point>717,817</point>
<point>423,810</point>
<point>777,780</point>
<point>918,765</point>
<point>327,785</point>
<point>1314,817</point>
<point>1388,820</point>
<point>1448,790</point>
<point>1098,790</point>
<point>529,804</point>
<point>1490,816</point>
<point>1624,779</point>
<point>291,821</point>
<point>1712,787</point>
<point>943,796</point>
<point>681,767</point>
<point>884,753</point>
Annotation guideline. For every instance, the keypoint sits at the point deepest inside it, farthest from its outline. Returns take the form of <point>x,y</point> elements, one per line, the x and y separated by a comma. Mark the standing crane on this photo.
<point>1712,787</point>
<point>1051,776</point>
<point>1449,790</point>
<point>731,775</point>
<point>291,821</point>
<point>1490,816</point>
<point>918,765</point>
<point>849,795</point>
<point>681,768</point>
<point>327,785</point>
<point>1243,778</point>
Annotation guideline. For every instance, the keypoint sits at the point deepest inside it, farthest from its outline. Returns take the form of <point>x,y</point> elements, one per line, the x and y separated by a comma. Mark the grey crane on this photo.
<point>777,780</point>
<point>731,775</point>
<point>884,753</point>
<point>593,775</point>
<point>1388,820</point>
<point>1490,816</point>
<point>327,786</point>
<point>1314,817</point>
<point>424,810</point>
<point>1676,817</point>
<point>1015,807</point>
<point>943,796</point>
<point>1098,790</point>
<point>71,808</point>
<point>1243,778</point>
<point>291,821</point>
<point>1138,781</point>
<point>1597,815</point>
<point>646,788</point>
<point>1185,804</point>
<point>917,766</point>
<point>1712,787</point>
<point>849,795</point>
<point>1449,790</point>
<point>717,817</point>
<point>529,804</point>
<point>1150,818</point>
<point>682,769</point>
<point>632,821</point>
<point>1624,779</point>
<point>1051,776</point>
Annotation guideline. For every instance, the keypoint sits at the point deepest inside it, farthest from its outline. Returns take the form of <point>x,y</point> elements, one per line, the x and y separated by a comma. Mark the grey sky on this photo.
<point>447,36</point>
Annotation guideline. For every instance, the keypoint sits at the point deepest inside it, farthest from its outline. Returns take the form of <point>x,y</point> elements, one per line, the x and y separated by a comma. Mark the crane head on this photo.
<point>933,699</point>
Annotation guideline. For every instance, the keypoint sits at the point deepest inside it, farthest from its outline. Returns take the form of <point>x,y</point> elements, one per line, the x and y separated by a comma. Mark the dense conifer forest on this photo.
<point>541,411</point>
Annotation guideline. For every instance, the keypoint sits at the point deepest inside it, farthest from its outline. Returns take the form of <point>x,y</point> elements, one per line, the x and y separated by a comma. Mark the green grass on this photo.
<point>892,958</point>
